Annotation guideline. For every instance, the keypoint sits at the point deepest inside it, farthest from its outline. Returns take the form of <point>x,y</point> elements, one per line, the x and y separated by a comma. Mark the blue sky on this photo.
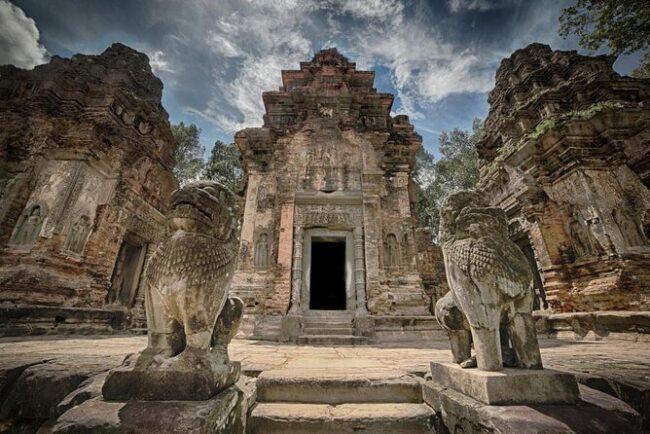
<point>216,58</point>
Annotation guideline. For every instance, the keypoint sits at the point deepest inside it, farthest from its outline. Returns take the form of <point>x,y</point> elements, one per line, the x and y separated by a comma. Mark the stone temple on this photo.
<point>328,231</point>
<point>86,157</point>
<point>540,283</point>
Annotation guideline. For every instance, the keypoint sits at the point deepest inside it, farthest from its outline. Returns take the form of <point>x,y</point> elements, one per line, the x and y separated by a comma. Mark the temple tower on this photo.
<point>328,229</point>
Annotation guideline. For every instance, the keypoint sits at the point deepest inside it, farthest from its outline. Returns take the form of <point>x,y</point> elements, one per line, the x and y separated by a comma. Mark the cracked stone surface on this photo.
<point>613,359</point>
<point>620,368</point>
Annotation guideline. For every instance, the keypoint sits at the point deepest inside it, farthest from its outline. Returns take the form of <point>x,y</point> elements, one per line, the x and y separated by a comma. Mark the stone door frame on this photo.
<point>305,292</point>
<point>319,214</point>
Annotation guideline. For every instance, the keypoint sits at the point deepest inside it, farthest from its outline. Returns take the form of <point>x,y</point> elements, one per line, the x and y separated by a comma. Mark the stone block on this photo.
<point>305,386</point>
<point>39,388</point>
<point>393,418</point>
<point>126,383</point>
<point>595,413</point>
<point>510,386</point>
<point>222,414</point>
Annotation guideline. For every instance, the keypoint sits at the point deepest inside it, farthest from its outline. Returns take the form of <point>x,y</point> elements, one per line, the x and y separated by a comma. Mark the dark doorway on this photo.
<point>540,299</point>
<point>327,282</point>
<point>127,271</point>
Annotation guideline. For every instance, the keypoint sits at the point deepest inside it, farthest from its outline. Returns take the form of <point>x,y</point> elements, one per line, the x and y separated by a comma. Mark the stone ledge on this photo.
<point>27,319</point>
<point>223,414</point>
<point>597,412</point>
<point>126,383</point>
<point>603,323</point>
<point>510,386</point>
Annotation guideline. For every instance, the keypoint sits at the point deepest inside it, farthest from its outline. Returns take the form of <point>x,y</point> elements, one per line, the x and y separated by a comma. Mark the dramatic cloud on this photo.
<point>475,5</point>
<point>19,38</point>
<point>216,58</point>
<point>266,37</point>
<point>158,62</point>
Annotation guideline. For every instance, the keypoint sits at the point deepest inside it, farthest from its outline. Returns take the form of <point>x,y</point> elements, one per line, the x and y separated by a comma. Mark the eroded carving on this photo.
<point>489,278</point>
<point>391,252</point>
<point>29,225</point>
<point>584,243</point>
<point>629,228</point>
<point>191,320</point>
<point>262,251</point>
<point>78,234</point>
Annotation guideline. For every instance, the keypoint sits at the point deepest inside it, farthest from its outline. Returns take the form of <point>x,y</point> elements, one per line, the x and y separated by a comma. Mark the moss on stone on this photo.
<point>542,128</point>
<point>545,125</point>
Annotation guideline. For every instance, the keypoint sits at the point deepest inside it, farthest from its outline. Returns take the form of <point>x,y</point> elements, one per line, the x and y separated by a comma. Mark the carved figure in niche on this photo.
<point>29,226</point>
<point>76,239</point>
<point>583,241</point>
<point>406,257</point>
<point>190,317</point>
<point>264,199</point>
<point>629,228</point>
<point>262,251</point>
<point>392,251</point>
<point>489,278</point>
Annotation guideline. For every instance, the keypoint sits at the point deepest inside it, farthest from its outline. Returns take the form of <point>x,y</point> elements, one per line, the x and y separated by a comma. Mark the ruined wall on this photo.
<point>566,153</point>
<point>431,265</point>
<point>85,164</point>
<point>329,156</point>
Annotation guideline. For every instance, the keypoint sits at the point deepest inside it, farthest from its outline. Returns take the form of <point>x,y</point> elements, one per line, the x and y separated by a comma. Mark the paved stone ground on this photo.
<point>629,361</point>
<point>620,368</point>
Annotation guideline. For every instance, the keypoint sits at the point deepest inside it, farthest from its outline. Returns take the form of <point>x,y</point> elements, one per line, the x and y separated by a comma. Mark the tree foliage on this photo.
<point>189,153</point>
<point>621,25</point>
<point>224,165</point>
<point>457,169</point>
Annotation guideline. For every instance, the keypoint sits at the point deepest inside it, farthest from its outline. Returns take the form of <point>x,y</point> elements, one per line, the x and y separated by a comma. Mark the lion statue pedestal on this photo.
<point>183,381</point>
<point>490,304</point>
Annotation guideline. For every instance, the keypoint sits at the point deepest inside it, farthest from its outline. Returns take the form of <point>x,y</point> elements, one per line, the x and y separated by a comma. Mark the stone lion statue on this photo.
<point>491,285</point>
<point>190,318</point>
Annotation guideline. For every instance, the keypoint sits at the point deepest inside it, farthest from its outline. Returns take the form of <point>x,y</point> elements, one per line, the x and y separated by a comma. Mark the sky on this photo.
<point>216,57</point>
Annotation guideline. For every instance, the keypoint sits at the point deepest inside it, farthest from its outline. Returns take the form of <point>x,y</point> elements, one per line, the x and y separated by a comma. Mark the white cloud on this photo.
<point>19,38</point>
<point>266,39</point>
<point>475,5</point>
<point>424,68</point>
<point>251,41</point>
<point>158,62</point>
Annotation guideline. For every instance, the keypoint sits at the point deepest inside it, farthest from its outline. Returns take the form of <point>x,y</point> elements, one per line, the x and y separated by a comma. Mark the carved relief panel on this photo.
<point>629,227</point>
<point>583,241</point>
<point>332,216</point>
<point>28,227</point>
<point>262,252</point>
<point>78,235</point>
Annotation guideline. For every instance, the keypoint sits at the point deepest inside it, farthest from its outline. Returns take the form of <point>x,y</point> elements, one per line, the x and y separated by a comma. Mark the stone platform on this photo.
<point>339,401</point>
<point>41,378</point>
<point>510,386</point>
<point>222,414</point>
<point>197,384</point>
<point>596,412</point>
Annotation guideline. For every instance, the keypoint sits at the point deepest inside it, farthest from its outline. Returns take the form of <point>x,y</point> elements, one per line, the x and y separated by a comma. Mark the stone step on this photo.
<point>306,386</point>
<point>340,331</point>
<point>393,418</point>
<point>331,340</point>
<point>328,324</point>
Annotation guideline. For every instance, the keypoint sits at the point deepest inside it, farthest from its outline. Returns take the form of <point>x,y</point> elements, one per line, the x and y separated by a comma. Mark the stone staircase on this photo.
<point>315,402</point>
<point>330,328</point>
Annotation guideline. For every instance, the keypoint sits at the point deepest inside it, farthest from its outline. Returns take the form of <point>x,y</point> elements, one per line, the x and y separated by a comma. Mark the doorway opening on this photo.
<point>327,281</point>
<point>127,272</point>
<point>539,301</point>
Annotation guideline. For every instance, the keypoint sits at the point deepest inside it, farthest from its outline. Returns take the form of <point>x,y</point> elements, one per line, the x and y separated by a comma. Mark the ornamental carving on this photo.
<point>328,216</point>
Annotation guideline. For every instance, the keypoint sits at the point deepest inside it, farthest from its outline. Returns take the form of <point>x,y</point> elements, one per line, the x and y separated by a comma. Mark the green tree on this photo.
<point>457,169</point>
<point>224,165</point>
<point>621,25</point>
<point>189,153</point>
